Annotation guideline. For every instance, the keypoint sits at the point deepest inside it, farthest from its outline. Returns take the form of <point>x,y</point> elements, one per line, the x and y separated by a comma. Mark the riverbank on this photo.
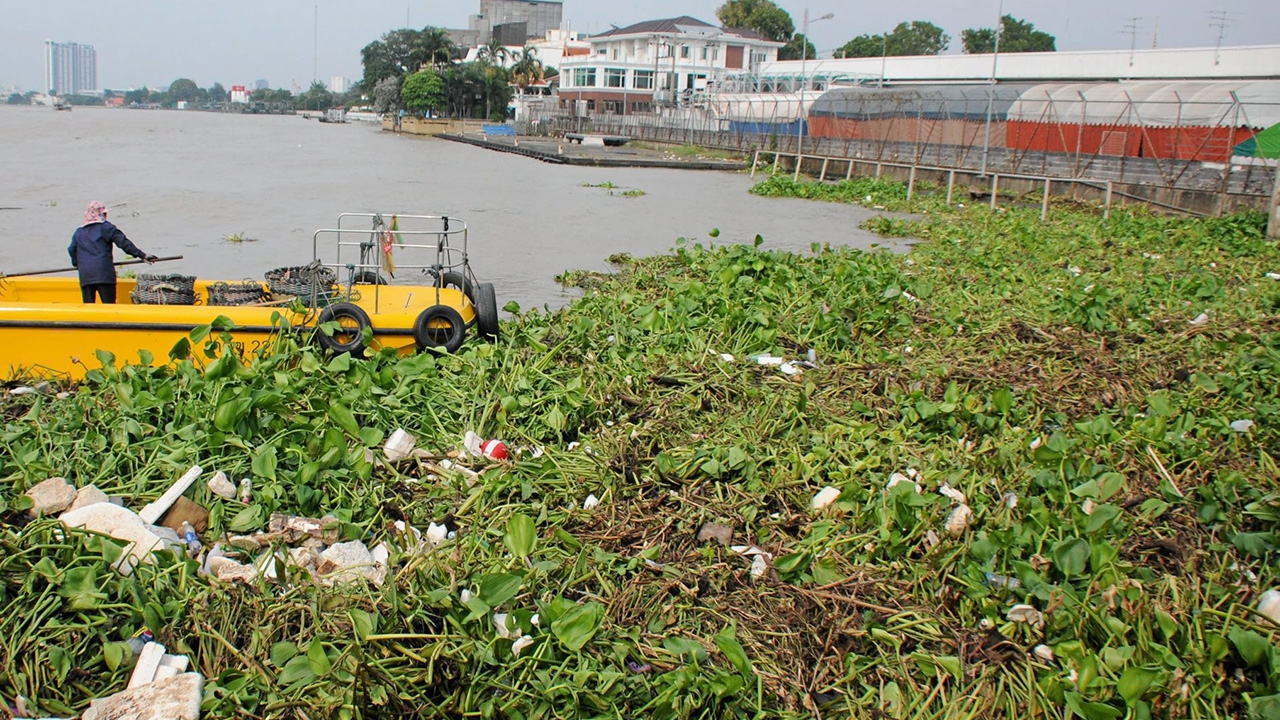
<point>1027,467</point>
<point>561,152</point>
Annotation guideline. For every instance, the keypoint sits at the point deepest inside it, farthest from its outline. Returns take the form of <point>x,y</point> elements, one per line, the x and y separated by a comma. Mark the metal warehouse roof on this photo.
<point>1152,104</point>
<point>930,102</point>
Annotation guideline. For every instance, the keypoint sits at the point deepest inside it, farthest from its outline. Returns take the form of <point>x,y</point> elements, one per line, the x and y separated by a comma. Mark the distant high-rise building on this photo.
<point>339,84</point>
<point>261,84</point>
<point>513,22</point>
<point>70,68</point>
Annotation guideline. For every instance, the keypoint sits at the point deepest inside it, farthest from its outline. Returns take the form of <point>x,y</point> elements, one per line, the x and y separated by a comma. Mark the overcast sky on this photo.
<point>153,42</point>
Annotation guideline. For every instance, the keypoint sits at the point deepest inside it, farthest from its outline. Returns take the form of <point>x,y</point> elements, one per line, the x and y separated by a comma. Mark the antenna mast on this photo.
<point>1131,29</point>
<point>1219,19</point>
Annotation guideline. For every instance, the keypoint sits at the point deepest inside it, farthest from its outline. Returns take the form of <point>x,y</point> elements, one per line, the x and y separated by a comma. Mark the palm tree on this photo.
<point>434,48</point>
<point>528,69</point>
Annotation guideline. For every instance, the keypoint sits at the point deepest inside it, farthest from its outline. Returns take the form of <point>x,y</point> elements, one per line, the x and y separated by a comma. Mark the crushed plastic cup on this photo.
<point>246,490</point>
<point>494,450</point>
<point>1025,614</point>
<point>958,520</point>
<point>1269,605</point>
<point>1002,582</point>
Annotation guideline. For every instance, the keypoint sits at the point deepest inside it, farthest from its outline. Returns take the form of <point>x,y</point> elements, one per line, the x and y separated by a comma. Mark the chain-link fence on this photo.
<point>1173,135</point>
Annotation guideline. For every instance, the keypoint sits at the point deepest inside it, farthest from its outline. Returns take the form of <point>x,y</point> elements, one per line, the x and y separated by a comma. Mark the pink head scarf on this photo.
<point>95,213</point>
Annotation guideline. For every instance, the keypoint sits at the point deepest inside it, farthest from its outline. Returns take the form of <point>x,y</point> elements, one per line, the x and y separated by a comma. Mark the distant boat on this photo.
<point>334,115</point>
<point>63,106</point>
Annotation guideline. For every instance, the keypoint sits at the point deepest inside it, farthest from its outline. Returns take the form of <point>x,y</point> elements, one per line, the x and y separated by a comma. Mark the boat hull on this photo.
<point>46,331</point>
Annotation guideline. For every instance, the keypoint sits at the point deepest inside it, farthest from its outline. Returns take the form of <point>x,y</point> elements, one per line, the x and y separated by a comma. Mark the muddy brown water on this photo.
<point>183,182</point>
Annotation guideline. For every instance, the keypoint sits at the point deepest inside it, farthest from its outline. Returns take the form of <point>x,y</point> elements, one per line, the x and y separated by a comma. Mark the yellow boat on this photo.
<point>47,331</point>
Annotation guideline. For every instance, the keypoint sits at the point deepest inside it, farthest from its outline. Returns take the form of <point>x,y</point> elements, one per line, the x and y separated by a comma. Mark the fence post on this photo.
<point>1273,227</point>
<point>775,164</point>
<point>848,173</point>
<point>799,162</point>
<point>823,175</point>
<point>1044,206</point>
<point>951,185</point>
<point>911,183</point>
<point>1106,210</point>
<point>755,159</point>
<point>878,171</point>
<point>995,189</point>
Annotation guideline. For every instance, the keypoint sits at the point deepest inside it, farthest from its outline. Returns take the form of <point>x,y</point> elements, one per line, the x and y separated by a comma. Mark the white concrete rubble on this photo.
<point>222,487</point>
<point>825,497</point>
<point>175,698</point>
<point>89,495</point>
<point>152,513</point>
<point>399,445</point>
<point>122,524</point>
<point>345,562</point>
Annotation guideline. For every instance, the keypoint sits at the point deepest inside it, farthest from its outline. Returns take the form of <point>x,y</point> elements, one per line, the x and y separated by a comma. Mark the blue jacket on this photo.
<point>91,252</point>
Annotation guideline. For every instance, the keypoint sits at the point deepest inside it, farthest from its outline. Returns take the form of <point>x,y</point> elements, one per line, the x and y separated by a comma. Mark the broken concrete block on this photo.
<point>184,510</point>
<point>152,512</point>
<point>122,524</point>
<point>88,495</point>
<point>228,570</point>
<point>348,561</point>
<point>222,487</point>
<point>51,497</point>
<point>176,698</point>
<point>148,662</point>
<point>295,527</point>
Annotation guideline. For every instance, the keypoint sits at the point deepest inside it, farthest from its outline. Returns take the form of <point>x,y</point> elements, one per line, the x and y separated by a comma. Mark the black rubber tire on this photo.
<point>344,313</point>
<point>487,311</point>
<point>368,277</point>
<point>457,280</point>
<point>439,326</point>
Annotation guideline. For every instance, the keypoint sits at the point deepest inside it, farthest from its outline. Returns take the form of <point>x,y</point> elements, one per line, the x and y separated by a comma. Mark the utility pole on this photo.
<point>315,46</point>
<point>804,80</point>
<point>991,88</point>
<point>884,54</point>
<point>1132,30</point>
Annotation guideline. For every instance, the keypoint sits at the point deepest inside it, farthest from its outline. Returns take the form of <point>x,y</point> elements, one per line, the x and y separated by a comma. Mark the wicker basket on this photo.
<point>248,292</point>
<point>165,290</point>
<point>303,280</point>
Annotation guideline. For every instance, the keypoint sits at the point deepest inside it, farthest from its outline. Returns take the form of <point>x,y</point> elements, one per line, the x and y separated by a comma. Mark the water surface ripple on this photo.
<point>184,181</point>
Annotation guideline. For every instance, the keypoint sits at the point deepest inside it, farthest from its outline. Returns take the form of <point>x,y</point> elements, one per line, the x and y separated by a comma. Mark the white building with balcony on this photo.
<point>658,62</point>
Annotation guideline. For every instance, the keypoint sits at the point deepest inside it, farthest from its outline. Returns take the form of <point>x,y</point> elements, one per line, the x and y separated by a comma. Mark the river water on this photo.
<point>183,182</point>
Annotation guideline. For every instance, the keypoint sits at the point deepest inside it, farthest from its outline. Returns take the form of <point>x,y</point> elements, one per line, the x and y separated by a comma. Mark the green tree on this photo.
<point>15,98</point>
<point>139,97</point>
<point>183,90</point>
<point>396,53</point>
<point>762,16</point>
<point>424,92</point>
<point>792,50</point>
<point>914,38</point>
<point>219,94</point>
<point>527,69</point>
<point>1015,36</point>
<point>317,97</point>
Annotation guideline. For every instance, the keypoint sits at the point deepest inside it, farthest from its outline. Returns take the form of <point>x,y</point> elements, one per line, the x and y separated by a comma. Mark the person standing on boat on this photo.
<point>91,254</point>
